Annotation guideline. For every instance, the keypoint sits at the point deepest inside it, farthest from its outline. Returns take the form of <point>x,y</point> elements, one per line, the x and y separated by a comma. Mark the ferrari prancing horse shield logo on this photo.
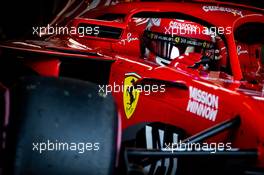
<point>130,94</point>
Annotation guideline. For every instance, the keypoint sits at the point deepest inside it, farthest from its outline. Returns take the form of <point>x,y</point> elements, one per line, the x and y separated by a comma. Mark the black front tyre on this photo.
<point>60,126</point>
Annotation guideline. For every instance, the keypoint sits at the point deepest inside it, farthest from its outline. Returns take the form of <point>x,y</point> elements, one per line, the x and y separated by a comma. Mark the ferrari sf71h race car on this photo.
<point>137,88</point>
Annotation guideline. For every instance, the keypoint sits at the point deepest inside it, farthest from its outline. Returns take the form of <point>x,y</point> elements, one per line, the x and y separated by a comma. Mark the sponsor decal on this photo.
<point>179,40</point>
<point>240,51</point>
<point>128,39</point>
<point>202,103</point>
<point>130,94</point>
<point>181,27</point>
<point>222,9</point>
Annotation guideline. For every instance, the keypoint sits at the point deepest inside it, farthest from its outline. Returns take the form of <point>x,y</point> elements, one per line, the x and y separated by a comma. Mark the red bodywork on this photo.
<point>236,97</point>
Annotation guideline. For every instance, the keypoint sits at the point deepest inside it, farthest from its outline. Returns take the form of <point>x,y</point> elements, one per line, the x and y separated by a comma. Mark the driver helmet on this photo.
<point>166,39</point>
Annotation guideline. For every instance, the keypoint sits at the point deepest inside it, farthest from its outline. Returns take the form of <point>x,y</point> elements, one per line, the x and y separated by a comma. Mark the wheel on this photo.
<point>60,126</point>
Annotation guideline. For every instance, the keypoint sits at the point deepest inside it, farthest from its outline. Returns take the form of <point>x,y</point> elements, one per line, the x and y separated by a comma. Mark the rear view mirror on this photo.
<point>97,28</point>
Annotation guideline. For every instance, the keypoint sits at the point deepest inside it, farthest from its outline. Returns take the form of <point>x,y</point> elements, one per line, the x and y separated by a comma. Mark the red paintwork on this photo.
<point>170,107</point>
<point>40,66</point>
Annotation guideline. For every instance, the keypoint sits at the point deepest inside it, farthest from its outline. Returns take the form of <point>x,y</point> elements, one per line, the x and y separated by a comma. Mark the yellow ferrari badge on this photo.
<point>130,94</point>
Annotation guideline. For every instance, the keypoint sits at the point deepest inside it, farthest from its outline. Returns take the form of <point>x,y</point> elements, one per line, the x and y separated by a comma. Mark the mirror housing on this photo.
<point>97,29</point>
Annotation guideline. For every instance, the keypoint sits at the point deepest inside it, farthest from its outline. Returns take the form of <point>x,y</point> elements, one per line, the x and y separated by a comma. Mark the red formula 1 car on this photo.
<point>187,80</point>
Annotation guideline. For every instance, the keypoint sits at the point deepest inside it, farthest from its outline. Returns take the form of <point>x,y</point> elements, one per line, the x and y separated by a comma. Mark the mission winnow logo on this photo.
<point>202,103</point>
